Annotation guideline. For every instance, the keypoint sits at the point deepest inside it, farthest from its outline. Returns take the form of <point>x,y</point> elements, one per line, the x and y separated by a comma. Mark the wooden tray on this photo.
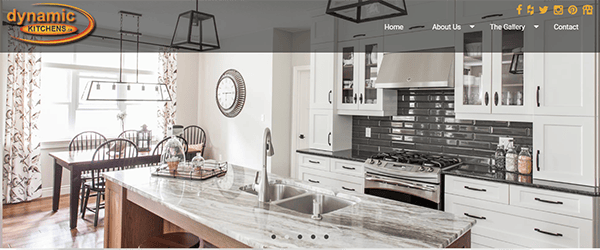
<point>185,171</point>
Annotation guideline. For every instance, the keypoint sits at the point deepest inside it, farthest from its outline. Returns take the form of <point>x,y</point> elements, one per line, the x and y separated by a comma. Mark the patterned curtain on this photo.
<point>167,74</point>
<point>22,179</point>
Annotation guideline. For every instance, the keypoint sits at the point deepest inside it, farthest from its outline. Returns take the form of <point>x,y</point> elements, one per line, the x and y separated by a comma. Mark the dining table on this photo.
<point>78,161</point>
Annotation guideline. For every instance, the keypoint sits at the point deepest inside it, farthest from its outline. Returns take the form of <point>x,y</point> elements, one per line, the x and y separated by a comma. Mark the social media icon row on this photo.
<point>558,9</point>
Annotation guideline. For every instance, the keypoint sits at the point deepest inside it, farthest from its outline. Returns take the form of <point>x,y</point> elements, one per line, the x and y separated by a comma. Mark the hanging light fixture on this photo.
<point>516,64</point>
<point>196,31</point>
<point>126,91</point>
<point>360,11</point>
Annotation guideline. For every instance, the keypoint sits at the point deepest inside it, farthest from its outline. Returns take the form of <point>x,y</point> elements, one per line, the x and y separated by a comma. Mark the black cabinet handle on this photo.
<point>548,233</point>
<point>301,136</point>
<point>314,162</point>
<point>496,98</point>
<point>537,96</point>
<point>537,160</point>
<point>475,189</point>
<point>329,138</point>
<point>358,35</point>
<point>313,181</point>
<point>417,27</point>
<point>354,98</point>
<point>329,96</point>
<point>547,201</point>
<point>349,189</point>
<point>487,98</point>
<point>349,168</point>
<point>360,99</point>
<point>492,15</point>
<point>476,217</point>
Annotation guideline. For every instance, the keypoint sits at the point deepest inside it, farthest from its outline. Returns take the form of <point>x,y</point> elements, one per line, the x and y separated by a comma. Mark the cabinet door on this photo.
<point>369,97</point>
<point>423,13</point>
<point>320,122</point>
<point>348,31</point>
<point>564,149</point>
<point>473,11</point>
<point>473,75</point>
<point>348,67</point>
<point>512,69</point>
<point>565,82</point>
<point>322,74</point>
<point>322,29</point>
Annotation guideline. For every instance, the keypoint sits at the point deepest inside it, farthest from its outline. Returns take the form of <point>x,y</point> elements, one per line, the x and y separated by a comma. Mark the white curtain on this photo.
<point>22,178</point>
<point>167,74</point>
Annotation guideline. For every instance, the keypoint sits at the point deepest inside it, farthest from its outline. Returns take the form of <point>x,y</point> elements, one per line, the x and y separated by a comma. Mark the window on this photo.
<point>64,77</point>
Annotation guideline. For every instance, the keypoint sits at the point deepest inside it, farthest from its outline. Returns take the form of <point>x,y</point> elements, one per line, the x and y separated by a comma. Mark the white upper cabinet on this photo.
<point>422,14</point>
<point>351,31</point>
<point>564,82</point>
<point>564,149</point>
<point>322,28</point>
<point>322,60</point>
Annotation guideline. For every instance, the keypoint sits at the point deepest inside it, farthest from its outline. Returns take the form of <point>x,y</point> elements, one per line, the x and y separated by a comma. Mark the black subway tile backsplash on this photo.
<point>426,122</point>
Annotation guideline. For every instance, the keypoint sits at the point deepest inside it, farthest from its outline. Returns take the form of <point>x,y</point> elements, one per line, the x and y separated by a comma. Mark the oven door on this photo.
<point>417,193</point>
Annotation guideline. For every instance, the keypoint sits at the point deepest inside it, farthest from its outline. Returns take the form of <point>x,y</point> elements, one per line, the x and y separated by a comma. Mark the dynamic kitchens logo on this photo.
<point>51,24</point>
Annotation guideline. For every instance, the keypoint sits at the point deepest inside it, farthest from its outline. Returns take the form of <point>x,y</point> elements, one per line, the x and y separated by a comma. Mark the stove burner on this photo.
<point>428,161</point>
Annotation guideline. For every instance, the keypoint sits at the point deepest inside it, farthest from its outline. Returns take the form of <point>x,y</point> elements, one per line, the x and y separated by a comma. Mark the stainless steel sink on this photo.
<point>277,191</point>
<point>304,203</point>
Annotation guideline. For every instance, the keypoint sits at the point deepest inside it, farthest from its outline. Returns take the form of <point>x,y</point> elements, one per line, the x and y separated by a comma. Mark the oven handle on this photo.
<point>399,183</point>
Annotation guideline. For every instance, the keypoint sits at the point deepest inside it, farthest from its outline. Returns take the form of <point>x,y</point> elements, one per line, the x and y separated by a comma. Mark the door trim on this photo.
<point>296,79</point>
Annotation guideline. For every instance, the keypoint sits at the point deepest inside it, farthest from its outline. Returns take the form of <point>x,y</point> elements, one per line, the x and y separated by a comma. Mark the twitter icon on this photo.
<point>543,9</point>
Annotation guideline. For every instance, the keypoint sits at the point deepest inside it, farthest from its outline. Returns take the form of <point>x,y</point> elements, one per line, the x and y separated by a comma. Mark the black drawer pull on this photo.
<point>329,139</point>
<point>496,98</point>
<point>314,162</point>
<point>492,15</point>
<point>349,189</point>
<point>313,181</point>
<point>537,160</point>
<point>349,168</point>
<point>547,201</point>
<point>359,35</point>
<point>475,189</point>
<point>329,96</point>
<point>417,27</point>
<point>487,98</point>
<point>537,96</point>
<point>548,233</point>
<point>476,217</point>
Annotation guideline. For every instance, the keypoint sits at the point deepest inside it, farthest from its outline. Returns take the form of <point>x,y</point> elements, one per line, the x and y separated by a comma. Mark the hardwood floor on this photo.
<point>34,225</point>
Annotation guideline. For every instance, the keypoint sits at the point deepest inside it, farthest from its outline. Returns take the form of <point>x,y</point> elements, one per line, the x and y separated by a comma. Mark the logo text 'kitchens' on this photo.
<point>51,24</point>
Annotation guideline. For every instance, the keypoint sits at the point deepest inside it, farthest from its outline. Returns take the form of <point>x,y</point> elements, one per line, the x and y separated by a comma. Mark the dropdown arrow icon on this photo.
<point>536,26</point>
<point>472,26</point>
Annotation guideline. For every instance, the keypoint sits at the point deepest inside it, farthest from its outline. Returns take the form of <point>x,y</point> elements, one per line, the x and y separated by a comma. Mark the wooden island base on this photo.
<point>130,219</point>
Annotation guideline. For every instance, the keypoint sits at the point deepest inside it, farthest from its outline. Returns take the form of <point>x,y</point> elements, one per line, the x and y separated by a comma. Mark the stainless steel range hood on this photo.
<point>416,70</point>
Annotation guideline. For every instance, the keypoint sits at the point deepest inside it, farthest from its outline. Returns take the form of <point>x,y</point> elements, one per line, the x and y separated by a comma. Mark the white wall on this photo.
<point>187,88</point>
<point>282,103</point>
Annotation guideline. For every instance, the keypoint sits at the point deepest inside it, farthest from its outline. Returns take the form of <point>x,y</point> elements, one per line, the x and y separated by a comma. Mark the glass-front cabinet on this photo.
<point>358,65</point>
<point>493,71</point>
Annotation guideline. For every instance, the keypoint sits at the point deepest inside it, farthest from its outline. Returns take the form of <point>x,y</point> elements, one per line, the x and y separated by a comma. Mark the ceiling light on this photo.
<point>196,30</point>
<point>360,11</point>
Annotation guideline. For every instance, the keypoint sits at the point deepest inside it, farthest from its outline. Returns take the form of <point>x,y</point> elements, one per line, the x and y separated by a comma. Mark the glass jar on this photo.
<point>173,154</point>
<point>511,158</point>
<point>499,158</point>
<point>524,161</point>
<point>198,162</point>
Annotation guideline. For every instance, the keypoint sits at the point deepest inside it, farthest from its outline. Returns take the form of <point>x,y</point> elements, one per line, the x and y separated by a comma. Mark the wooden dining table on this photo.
<point>77,162</point>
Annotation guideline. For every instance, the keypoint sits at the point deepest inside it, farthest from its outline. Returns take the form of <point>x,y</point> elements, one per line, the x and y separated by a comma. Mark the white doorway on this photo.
<point>300,113</point>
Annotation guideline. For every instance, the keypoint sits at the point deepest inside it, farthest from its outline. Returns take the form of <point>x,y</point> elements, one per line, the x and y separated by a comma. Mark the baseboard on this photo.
<point>47,191</point>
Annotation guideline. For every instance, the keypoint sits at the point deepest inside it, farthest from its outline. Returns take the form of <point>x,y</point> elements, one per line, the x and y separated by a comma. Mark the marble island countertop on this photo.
<point>218,203</point>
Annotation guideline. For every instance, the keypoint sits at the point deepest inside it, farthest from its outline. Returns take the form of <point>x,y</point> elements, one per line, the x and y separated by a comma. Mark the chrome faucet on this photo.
<point>262,186</point>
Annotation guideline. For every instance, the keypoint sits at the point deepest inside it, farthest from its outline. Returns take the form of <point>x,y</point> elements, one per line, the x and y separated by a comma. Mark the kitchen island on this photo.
<point>139,206</point>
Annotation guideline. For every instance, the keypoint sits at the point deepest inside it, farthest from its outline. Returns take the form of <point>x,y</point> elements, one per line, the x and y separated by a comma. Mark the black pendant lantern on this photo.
<point>360,11</point>
<point>144,139</point>
<point>516,64</point>
<point>196,31</point>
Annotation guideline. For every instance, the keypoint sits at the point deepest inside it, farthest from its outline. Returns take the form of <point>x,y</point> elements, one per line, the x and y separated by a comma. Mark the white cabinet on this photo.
<point>357,68</point>
<point>469,11</point>
<point>564,149</point>
<point>341,175</point>
<point>328,131</point>
<point>422,15</point>
<point>322,60</point>
<point>531,218</point>
<point>323,26</point>
<point>494,77</point>
<point>347,30</point>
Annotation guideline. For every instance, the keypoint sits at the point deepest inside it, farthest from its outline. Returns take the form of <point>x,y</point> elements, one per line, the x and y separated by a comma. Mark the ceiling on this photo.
<point>233,17</point>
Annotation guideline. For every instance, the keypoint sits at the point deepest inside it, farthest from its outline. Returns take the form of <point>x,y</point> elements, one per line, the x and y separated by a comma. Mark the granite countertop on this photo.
<point>484,172</point>
<point>372,222</point>
<point>347,154</point>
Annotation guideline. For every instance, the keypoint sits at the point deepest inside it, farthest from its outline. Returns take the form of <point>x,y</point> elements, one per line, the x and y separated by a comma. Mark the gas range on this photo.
<point>409,165</point>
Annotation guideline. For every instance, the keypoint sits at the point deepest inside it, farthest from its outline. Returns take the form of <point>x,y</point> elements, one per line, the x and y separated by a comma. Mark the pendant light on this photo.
<point>196,30</point>
<point>127,91</point>
<point>360,11</point>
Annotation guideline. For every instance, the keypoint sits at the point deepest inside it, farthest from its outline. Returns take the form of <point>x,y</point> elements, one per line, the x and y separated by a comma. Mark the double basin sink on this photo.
<point>299,199</point>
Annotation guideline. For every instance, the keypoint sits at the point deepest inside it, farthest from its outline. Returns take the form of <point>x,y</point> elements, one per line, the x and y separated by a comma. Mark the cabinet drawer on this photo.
<point>485,190</point>
<point>316,162</point>
<point>332,180</point>
<point>347,167</point>
<point>551,201</point>
<point>478,241</point>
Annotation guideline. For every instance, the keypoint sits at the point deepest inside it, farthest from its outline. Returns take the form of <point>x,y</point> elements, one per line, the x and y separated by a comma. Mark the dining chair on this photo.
<point>129,135</point>
<point>160,146</point>
<point>121,153</point>
<point>195,136</point>
<point>87,140</point>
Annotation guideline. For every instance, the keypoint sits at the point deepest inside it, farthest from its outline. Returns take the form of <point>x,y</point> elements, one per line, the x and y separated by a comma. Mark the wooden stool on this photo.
<point>172,240</point>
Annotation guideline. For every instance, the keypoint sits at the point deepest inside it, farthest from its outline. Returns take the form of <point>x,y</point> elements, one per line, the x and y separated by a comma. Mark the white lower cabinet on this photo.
<point>525,221</point>
<point>331,173</point>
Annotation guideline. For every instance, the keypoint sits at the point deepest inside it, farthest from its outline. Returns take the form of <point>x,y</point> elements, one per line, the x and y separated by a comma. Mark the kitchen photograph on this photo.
<point>300,124</point>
